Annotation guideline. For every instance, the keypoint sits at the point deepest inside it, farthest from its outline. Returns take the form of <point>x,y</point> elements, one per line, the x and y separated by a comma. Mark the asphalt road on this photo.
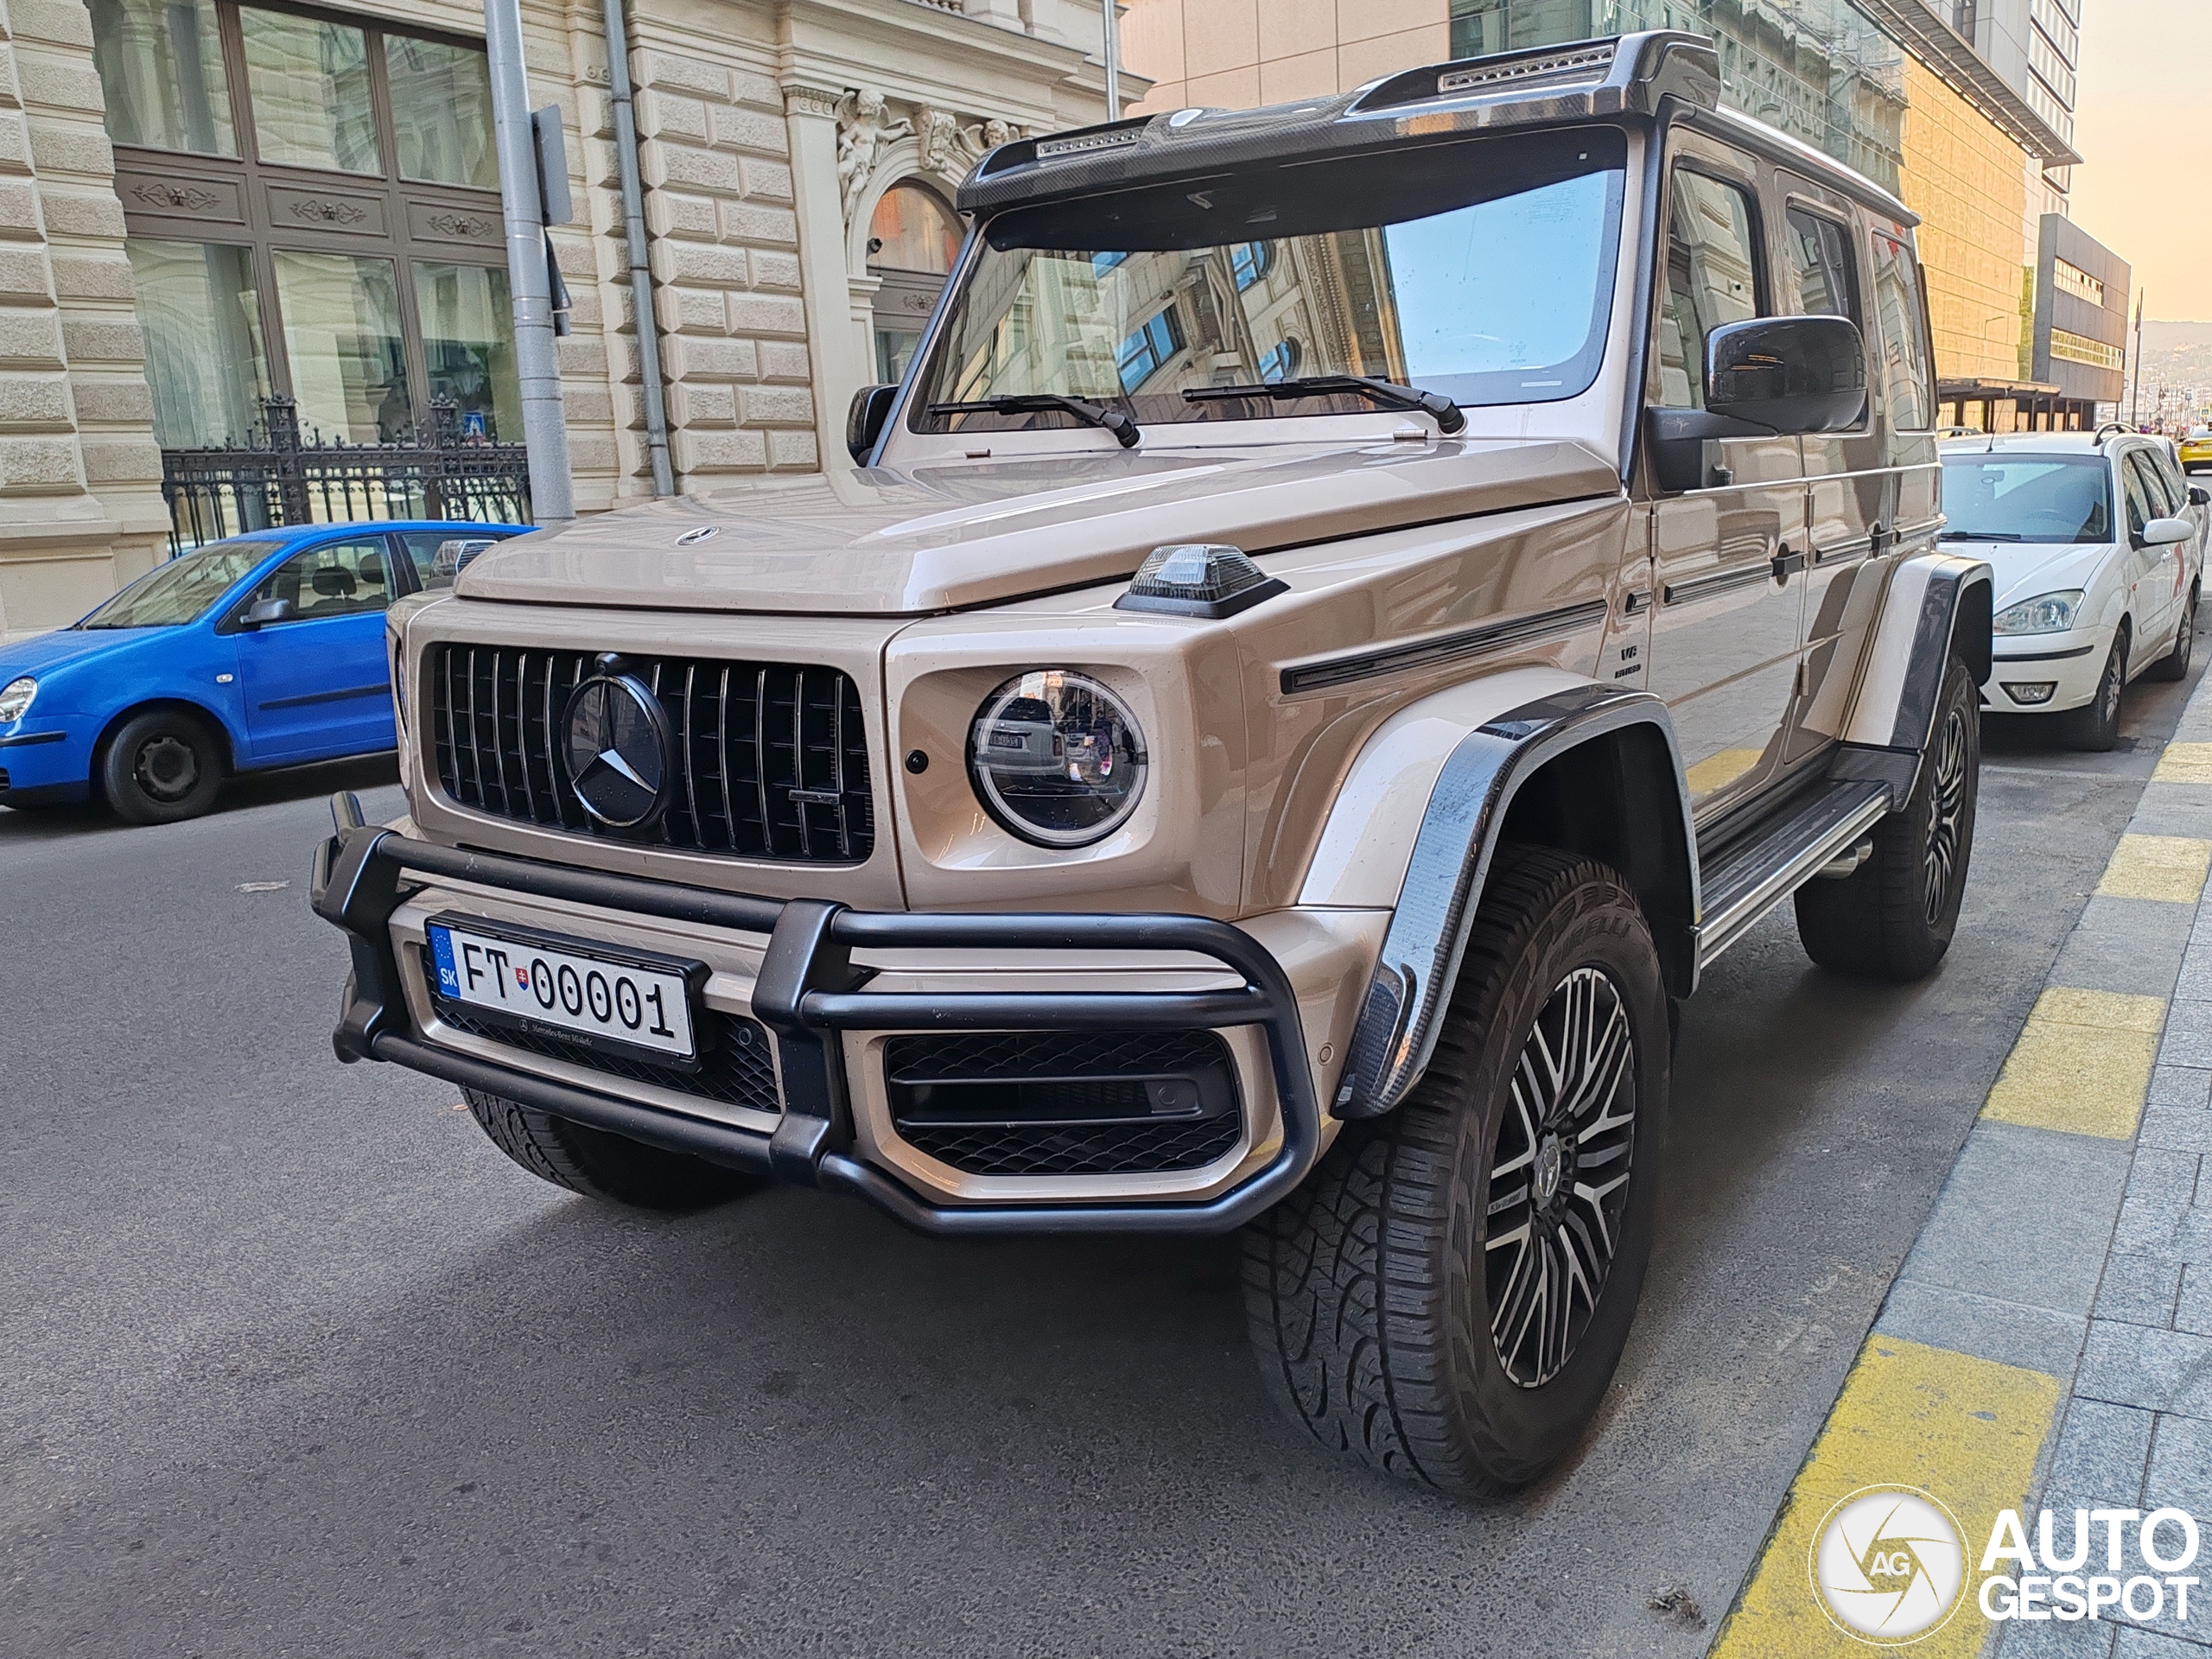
<point>296,1362</point>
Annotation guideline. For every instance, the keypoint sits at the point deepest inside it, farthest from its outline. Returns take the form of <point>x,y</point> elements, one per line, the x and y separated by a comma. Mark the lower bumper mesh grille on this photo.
<point>1101,1102</point>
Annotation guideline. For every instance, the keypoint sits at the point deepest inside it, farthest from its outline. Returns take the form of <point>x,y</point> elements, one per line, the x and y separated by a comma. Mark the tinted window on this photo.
<point>337,579</point>
<point>2168,471</point>
<point>1712,279</point>
<point>2027,499</point>
<point>182,590</point>
<point>1904,355</point>
<point>1819,258</point>
<point>438,555</point>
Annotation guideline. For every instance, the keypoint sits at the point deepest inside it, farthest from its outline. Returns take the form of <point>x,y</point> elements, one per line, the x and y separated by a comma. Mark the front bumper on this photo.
<point>808,994</point>
<point>45,759</point>
<point>2072,663</point>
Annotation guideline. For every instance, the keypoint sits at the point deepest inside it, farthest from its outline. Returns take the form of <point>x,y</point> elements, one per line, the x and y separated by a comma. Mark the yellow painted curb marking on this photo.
<point>1966,1430</point>
<point>2184,763</point>
<point>2083,1064</point>
<point>2170,868</point>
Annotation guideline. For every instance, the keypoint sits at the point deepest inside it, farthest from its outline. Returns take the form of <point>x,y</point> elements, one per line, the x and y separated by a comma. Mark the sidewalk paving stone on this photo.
<point>2130,945</point>
<point>2188,1034</point>
<point>2166,868</point>
<point>2024,1217</point>
<point>2160,1370</point>
<point>2193,1306</point>
<point>2140,1290</point>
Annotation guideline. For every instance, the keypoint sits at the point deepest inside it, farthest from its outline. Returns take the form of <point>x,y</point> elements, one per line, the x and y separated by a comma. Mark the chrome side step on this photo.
<point>1774,860</point>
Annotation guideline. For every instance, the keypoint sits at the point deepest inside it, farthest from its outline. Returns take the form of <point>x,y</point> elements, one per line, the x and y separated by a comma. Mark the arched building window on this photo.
<point>913,237</point>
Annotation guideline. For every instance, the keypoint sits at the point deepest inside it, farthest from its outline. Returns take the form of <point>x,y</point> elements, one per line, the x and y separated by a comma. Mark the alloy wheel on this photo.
<point>1560,1179</point>
<point>1946,806</point>
<point>165,768</point>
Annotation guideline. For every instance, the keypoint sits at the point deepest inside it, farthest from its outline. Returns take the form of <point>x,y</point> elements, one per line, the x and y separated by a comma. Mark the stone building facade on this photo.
<point>788,149</point>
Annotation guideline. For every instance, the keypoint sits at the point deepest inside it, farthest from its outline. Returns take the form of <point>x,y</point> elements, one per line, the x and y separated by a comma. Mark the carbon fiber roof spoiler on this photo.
<point>1630,74</point>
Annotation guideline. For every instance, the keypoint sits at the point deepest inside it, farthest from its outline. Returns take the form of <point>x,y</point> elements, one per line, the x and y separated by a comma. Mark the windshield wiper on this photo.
<point>1981,535</point>
<point>1445,413</point>
<point>1033,403</point>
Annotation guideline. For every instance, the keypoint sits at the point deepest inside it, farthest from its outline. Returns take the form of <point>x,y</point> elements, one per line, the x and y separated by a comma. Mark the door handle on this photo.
<point>1787,564</point>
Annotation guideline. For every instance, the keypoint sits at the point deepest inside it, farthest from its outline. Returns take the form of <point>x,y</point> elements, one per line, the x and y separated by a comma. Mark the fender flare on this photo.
<point>1936,601</point>
<point>1418,965</point>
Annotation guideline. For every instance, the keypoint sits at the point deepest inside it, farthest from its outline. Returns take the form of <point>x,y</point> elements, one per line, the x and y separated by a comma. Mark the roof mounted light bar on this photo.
<point>1588,64</point>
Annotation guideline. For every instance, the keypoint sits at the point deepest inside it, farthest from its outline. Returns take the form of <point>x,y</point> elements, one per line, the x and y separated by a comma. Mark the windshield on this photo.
<point>2027,499</point>
<point>180,591</point>
<point>1482,270</point>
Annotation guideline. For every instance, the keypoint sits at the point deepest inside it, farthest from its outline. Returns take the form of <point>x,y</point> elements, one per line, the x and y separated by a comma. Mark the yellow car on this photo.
<point>2196,449</point>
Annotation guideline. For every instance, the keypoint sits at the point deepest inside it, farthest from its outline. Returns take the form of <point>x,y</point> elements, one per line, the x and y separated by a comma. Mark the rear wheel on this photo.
<point>2174,665</point>
<point>2094,726</point>
<point>163,765</point>
<point>1448,1295</point>
<point>600,1166</point>
<point>1892,919</point>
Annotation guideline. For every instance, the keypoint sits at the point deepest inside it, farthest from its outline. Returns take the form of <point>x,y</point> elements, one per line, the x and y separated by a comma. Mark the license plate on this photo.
<point>593,994</point>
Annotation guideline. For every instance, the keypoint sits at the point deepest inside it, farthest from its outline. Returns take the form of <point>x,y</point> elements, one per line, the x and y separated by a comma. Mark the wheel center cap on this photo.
<point>1551,1162</point>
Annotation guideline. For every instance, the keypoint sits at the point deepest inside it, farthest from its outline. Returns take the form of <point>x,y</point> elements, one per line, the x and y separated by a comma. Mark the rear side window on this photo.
<point>1712,279</point>
<point>1904,344</point>
<point>1820,258</point>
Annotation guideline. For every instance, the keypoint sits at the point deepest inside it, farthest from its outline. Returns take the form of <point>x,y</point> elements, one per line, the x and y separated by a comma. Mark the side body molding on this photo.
<point>1468,808</point>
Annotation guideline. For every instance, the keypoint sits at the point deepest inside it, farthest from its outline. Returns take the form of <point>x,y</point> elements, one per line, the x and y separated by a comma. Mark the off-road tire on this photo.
<point>1368,1289</point>
<point>2174,665</point>
<point>161,766</point>
<point>607,1167</point>
<point>1892,918</point>
<point>2094,726</point>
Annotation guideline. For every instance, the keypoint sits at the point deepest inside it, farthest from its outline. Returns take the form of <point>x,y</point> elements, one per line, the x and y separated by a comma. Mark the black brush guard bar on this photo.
<point>808,993</point>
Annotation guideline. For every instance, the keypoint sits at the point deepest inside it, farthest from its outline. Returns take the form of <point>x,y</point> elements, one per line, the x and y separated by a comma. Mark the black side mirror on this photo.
<point>864,420</point>
<point>266,612</point>
<point>1788,374</point>
<point>1773,376</point>
<point>2199,496</point>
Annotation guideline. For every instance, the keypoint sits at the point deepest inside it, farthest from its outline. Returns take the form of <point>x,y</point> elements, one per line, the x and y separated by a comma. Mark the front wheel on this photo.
<point>601,1166</point>
<point>2174,665</point>
<point>1893,917</point>
<point>162,767</point>
<point>2094,726</point>
<point>1447,1296</point>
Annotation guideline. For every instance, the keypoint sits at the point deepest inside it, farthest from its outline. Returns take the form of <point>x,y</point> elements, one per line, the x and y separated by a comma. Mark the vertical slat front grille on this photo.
<point>771,758</point>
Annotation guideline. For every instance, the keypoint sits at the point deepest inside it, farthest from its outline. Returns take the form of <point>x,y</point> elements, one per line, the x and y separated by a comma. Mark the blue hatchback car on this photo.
<point>266,650</point>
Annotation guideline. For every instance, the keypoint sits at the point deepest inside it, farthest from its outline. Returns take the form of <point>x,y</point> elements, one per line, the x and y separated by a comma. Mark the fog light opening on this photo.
<point>2031,692</point>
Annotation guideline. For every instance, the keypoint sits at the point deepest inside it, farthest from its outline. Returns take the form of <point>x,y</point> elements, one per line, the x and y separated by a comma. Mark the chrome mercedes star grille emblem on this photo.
<point>618,744</point>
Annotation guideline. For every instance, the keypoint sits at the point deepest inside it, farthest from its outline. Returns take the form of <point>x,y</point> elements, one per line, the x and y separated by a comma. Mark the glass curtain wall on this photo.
<point>1819,69</point>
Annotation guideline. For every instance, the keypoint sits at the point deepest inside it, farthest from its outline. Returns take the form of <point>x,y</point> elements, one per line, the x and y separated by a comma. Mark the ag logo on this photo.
<point>1887,1565</point>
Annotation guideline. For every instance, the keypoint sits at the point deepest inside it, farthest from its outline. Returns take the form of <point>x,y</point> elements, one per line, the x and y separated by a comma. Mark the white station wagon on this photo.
<point>2097,542</point>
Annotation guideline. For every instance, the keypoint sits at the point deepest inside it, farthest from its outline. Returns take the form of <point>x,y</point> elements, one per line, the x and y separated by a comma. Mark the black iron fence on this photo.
<point>276,477</point>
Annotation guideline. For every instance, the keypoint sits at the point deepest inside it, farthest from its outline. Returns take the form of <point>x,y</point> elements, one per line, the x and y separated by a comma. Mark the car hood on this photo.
<point>2023,569</point>
<point>47,653</point>
<point>943,535</point>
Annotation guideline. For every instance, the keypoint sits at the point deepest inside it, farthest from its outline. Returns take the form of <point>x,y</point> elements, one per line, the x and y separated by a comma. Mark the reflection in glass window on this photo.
<point>182,589</point>
<point>442,112</point>
<point>913,230</point>
<point>1145,351</point>
<point>468,341</point>
<point>1904,360</point>
<point>160,69</point>
<point>1481,269</point>
<point>1822,259</point>
<point>341,334</point>
<point>205,364</point>
<point>2027,498</point>
<point>309,83</point>
<point>1712,279</point>
<point>1280,361</point>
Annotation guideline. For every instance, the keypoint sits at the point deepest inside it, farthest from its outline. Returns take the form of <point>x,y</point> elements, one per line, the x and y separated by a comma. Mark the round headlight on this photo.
<point>16,699</point>
<point>1057,758</point>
